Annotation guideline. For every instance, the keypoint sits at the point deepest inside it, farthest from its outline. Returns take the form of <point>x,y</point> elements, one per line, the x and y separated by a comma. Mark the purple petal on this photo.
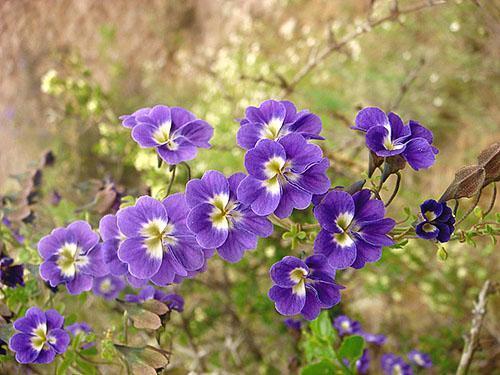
<point>50,271</point>
<point>375,140</point>
<point>165,274</point>
<point>96,266</point>
<point>307,124</point>
<point>234,181</point>
<point>185,151</point>
<point>366,252</point>
<point>285,301</point>
<point>110,256</point>
<point>300,153</point>
<point>398,129</point>
<point>237,242</point>
<point>197,132</point>
<point>131,219</point>
<point>312,305</point>
<point>61,338</point>
<point>180,116</point>
<point>199,221</point>
<point>314,179</point>
<point>188,253</point>
<point>160,114</point>
<point>375,232</point>
<point>108,228</point>
<point>249,134</point>
<point>203,191</point>
<point>253,223</point>
<point>46,355</point>
<point>419,131</point>
<point>140,263</point>
<point>54,319</point>
<point>292,197</point>
<point>50,244</point>
<point>372,209</point>
<point>143,134</point>
<point>419,154</point>
<point>338,256</point>
<point>328,294</point>
<point>80,283</point>
<point>177,210</point>
<point>31,320</point>
<point>369,117</point>
<point>21,344</point>
<point>84,235</point>
<point>252,192</point>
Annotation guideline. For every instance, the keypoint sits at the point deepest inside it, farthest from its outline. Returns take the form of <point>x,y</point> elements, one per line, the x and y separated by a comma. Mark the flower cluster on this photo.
<point>387,136</point>
<point>438,221</point>
<point>41,336</point>
<point>346,326</point>
<point>394,365</point>
<point>174,132</point>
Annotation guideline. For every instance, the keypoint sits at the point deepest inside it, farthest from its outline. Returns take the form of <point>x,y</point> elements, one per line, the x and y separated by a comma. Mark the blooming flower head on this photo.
<point>83,329</point>
<point>41,336</point>
<point>294,324</point>
<point>218,220</point>
<point>346,326</point>
<point>303,287</point>
<point>388,136</point>
<point>10,275</point>
<point>172,300</point>
<point>353,229</point>
<point>362,364</point>
<point>72,256</point>
<point>438,221</point>
<point>283,175</point>
<point>158,244</point>
<point>420,359</point>
<point>108,287</point>
<point>174,132</point>
<point>275,119</point>
<point>129,121</point>
<point>394,365</point>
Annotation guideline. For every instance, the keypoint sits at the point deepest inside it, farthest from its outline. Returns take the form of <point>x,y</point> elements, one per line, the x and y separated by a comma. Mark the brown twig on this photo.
<point>336,45</point>
<point>410,78</point>
<point>472,339</point>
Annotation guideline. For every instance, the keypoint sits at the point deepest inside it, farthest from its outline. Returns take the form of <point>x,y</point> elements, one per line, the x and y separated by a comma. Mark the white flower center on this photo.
<point>157,233</point>
<point>70,259</point>
<point>272,129</point>
<point>223,213</point>
<point>344,221</point>
<point>346,325</point>
<point>162,136</point>
<point>105,286</point>
<point>39,337</point>
<point>298,276</point>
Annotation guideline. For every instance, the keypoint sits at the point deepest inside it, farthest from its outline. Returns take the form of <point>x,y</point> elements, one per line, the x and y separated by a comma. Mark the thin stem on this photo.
<point>188,170</point>
<point>455,208</point>
<point>172,179</point>
<point>493,199</point>
<point>472,339</point>
<point>396,189</point>
<point>471,208</point>
<point>125,327</point>
<point>280,222</point>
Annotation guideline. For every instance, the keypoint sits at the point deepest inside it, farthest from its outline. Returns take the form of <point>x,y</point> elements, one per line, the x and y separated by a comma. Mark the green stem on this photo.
<point>396,189</point>
<point>172,179</point>
<point>282,223</point>
<point>188,170</point>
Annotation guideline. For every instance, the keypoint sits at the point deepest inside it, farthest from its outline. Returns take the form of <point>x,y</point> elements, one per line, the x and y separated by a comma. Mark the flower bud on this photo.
<point>467,183</point>
<point>489,159</point>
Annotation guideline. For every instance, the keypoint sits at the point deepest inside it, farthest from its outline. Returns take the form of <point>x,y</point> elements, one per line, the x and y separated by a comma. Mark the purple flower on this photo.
<point>275,119</point>
<point>72,256</point>
<point>353,229</point>
<point>387,136</point>
<point>83,329</point>
<point>438,221</point>
<point>394,365</point>
<point>283,175</point>
<point>420,359</point>
<point>172,300</point>
<point>41,336</point>
<point>362,364</point>
<point>174,132</point>
<point>373,338</point>
<point>346,326</point>
<point>108,287</point>
<point>129,121</point>
<point>294,324</point>
<point>158,244</point>
<point>303,287</point>
<point>10,275</point>
<point>218,220</point>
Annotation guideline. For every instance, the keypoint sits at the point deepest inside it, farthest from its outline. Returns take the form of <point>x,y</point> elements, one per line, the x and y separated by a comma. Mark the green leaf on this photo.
<point>322,327</point>
<point>351,348</point>
<point>325,367</point>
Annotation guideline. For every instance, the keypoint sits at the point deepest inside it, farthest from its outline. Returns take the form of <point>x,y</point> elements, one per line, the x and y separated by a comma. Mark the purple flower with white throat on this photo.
<point>353,229</point>
<point>388,136</point>
<point>346,326</point>
<point>275,119</point>
<point>218,220</point>
<point>283,175</point>
<point>438,221</point>
<point>174,132</point>
<point>72,256</point>
<point>303,287</point>
<point>394,365</point>
<point>158,244</point>
<point>420,359</point>
<point>40,338</point>
<point>108,287</point>
<point>82,329</point>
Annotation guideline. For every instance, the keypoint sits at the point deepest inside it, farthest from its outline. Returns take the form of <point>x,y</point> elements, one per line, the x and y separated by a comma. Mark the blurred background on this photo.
<point>70,68</point>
